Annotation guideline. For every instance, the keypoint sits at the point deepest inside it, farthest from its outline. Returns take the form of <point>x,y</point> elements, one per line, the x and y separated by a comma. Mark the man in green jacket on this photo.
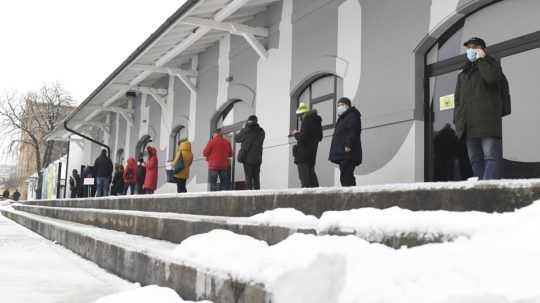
<point>478,112</point>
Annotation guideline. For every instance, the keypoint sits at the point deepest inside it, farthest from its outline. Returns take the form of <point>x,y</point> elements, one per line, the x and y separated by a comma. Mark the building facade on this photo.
<point>215,62</point>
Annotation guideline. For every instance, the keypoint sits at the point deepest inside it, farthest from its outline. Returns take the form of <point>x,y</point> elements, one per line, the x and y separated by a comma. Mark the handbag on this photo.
<point>242,155</point>
<point>179,165</point>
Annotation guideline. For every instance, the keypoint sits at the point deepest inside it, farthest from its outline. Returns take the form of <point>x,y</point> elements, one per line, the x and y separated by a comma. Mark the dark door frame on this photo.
<point>500,50</point>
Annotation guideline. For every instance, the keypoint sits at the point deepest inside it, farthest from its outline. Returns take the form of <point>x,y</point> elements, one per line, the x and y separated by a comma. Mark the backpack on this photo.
<point>505,97</point>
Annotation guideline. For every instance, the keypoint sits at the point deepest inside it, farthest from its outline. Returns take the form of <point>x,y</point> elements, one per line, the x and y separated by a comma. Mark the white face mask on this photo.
<point>341,109</point>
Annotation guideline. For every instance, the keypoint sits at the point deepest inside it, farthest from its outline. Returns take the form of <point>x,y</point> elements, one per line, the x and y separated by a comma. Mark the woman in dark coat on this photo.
<point>346,148</point>
<point>305,150</point>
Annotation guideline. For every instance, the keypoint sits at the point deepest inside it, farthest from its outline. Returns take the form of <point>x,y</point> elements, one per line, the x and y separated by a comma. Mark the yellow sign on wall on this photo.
<point>447,102</point>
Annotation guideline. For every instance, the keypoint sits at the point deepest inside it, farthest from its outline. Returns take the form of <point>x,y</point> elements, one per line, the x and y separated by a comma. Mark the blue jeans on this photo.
<point>102,186</point>
<point>224,180</point>
<point>485,155</point>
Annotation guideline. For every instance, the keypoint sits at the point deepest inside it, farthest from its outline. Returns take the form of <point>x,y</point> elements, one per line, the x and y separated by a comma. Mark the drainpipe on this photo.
<point>88,138</point>
<point>67,166</point>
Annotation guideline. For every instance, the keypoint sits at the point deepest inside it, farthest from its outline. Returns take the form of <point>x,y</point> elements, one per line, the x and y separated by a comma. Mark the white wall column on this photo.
<point>127,144</point>
<point>167,117</point>
<point>224,63</point>
<point>193,102</point>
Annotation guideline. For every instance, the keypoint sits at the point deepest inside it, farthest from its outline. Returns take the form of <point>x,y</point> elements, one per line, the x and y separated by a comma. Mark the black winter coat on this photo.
<point>347,134</point>
<point>252,139</point>
<point>103,167</point>
<point>478,100</point>
<point>308,138</point>
<point>140,174</point>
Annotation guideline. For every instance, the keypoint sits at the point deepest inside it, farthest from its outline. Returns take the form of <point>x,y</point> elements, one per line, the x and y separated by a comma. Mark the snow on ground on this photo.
<point>33,269</point>
<point>284,217</point>
<point>499,262</point>
<point>146,294</point>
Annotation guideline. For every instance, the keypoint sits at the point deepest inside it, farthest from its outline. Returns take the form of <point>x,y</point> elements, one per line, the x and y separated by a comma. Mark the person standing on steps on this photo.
<point>117,188</point>
<point>140,175</point>
<point>151,177</point>
<point>16,195</point>
<point>482,98</point>
<point>130,176</point>
<point>185,155</point>
<point>217,153</point>
<point>103,168</point>
<point>251,138</point>
<point>75,184</point>
<point>305,150</point>
<point>346,147</point>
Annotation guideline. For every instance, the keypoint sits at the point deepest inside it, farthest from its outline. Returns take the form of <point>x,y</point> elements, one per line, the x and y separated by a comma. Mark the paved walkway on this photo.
<point>33,269</point>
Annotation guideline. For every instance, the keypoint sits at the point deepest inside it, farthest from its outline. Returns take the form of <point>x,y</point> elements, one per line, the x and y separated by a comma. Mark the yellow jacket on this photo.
<point>187,157</point>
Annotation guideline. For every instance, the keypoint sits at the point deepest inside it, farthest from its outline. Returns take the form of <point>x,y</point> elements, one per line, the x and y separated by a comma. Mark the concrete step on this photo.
<point>490,196</point>
<point>164,226</point>
<point>141,259</point>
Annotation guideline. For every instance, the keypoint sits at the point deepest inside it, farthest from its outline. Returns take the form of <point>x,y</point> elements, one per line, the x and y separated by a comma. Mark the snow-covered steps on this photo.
<point>142,260</point>
<point>165,226</point>
<point>492,196</point>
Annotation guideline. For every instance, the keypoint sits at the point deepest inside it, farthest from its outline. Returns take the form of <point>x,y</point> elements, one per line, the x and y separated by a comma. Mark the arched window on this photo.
<point>178,134</point>
<point>231,116</point>
<point>120,156</point>
<point>319,93</point>
<point>141,146</point>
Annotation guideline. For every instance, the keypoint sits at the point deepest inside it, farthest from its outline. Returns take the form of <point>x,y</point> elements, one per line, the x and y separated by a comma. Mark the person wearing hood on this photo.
<point>251,138</point>
<point>346,147</point>
<point>184,154</point>
<point>130,176</point>
<point>305,150</point>
<point>151,177</point>
<point>103,171</point>
<point>482,98</point>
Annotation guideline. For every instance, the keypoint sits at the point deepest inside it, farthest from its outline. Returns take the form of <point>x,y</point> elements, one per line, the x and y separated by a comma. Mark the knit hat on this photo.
<point>253,118</point>
<point>345,100</point>
<point>302,108</point>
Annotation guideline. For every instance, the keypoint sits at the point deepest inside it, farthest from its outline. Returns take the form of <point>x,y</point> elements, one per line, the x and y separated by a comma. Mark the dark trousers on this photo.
<point>253,178</point>
<point>148,191</point>
<point>308,177</point>
<point>485,155</point>
<point>129,187</point>
<point>346,168</point>
<point>139,189</point>
<point>224,180</point>
<point>181,185</point>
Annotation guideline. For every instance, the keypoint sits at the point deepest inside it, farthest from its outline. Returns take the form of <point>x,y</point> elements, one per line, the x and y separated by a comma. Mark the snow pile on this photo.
<point>289,217</point>
<point>376,225</point>
<point>146,294</point>
<point>498,263</point>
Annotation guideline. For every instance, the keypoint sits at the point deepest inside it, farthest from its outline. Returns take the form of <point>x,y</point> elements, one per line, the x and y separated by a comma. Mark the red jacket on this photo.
<point>130,171</point>
<point>217,153</point>
<point>150,180</point>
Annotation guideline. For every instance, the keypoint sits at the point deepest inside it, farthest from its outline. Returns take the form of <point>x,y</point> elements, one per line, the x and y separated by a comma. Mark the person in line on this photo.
<point>217,153</point>
<point>184,154</point>
<point>305,150</point>
<point>16,195</point>
<point>151,176</point>
<point>130,176</point>
<point>251,138</point>
<point>117,188</point>
<point>75,184</point>
<point>5,194</point>
<point>346,147</point>
<point>103,170</point>
<point>140,175</point>
<point>88,190</point>
<point>481,99</point>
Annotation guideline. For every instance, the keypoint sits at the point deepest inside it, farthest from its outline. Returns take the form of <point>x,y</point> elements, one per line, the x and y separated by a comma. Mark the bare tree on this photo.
<point>27,120</point>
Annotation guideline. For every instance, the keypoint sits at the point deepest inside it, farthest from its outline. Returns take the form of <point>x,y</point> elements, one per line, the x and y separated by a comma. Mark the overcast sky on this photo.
<point>76,43</point>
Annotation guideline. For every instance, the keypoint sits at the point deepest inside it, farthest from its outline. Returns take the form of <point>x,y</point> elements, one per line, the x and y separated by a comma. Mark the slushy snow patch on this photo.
<point>288,217</point>
<point>498,262</point>
<point>146,294</point>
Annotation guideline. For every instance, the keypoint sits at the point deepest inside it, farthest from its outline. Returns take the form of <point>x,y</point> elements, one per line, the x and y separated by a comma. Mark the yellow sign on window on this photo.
<point>447,102</point>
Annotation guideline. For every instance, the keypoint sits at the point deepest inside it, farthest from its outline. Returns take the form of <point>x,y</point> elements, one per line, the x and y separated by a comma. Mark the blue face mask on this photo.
<point>471,54</point>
